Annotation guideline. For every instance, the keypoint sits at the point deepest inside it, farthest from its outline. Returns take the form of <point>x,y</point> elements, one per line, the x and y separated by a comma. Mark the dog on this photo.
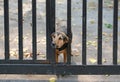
<point>60,42</point>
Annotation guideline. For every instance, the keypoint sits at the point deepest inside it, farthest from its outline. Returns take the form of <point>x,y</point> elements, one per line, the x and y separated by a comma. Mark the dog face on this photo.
<point>59,39</point>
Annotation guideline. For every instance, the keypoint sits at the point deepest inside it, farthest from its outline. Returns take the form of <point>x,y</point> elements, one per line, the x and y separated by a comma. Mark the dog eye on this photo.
<point>60,38</point>
<point>53,36</point>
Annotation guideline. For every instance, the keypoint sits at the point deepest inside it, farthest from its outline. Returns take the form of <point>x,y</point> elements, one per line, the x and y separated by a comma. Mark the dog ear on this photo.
<point>53,34</point>
<point>66,39</point>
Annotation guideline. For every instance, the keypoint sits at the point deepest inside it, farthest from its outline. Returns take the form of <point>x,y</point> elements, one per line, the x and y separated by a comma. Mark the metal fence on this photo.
<point>49,66</point>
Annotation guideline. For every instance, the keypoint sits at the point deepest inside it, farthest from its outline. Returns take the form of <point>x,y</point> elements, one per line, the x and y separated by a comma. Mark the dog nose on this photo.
<point>53,44</point>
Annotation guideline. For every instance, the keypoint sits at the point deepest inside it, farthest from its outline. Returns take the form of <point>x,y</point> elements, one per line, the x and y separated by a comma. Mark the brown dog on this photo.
<point>59,42</point>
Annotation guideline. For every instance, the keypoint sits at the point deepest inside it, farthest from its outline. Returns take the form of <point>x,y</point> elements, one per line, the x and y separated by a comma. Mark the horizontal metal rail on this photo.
<point>24,62</point>
<point>59,69</point>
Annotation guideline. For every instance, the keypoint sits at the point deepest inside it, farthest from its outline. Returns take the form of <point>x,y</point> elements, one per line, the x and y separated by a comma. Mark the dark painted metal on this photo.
<point>69,33</point>
<point>50,28</point>
<point>34,35</point>
<point>84,29</point>
<point>6,28</point>
<point>24,62</point>
<point>20,28</point>
<point>100,14</point>
<point>115,32</point>
<point>60,69</point>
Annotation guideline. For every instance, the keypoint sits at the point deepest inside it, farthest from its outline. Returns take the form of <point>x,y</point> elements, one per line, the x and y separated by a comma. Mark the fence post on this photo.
<point>84,29</point>
<point>50,28</point>
<point>20,28</point>
<point>100,13</point>
<point>34,35</point>
<point>115,32</point>
<point>69,33</point>
<point>6,28</point>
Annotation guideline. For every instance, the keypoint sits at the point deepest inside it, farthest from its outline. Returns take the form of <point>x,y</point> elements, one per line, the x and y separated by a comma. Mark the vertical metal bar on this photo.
<point>69,33</point>
<point>6,28</point>
<point>100,13</point>
<point>115,32</point>
<point>50,28</point>
<point>20,29</point>
<point>34,46</point>
<point>84,29</point>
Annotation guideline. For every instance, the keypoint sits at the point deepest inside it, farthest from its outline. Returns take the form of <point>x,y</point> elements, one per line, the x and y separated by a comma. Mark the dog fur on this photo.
<point>60,41</point>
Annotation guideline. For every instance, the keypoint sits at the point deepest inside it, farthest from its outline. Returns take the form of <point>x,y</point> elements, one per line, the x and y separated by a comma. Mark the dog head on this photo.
<point>59,39</point>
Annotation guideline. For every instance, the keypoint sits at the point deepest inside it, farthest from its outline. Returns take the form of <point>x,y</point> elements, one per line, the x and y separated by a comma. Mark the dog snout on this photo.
<point>53,45</point>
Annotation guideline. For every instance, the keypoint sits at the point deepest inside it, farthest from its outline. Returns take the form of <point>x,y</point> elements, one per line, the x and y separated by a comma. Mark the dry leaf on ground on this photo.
<point>52,79</point>
<point>92,60</point>
<point>92,43</point>
<point>92,21</point>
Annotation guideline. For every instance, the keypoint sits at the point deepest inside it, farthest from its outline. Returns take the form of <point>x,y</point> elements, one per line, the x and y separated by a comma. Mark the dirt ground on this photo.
<point>47,78</point>
<point>92,18</point>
